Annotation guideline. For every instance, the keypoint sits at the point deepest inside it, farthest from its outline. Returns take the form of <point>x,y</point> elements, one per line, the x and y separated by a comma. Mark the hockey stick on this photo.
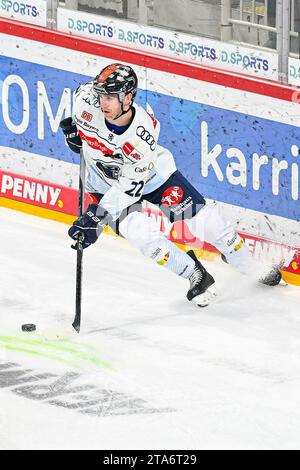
<point>77,318</point>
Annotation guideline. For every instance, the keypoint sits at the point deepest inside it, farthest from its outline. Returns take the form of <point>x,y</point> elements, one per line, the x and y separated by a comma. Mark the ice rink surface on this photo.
<point>148,370</point>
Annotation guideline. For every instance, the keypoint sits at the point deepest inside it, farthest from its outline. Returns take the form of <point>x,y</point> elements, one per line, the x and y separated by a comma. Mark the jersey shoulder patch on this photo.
<point>155,121</point>
<point>85,98</point>
<point>148,118</point>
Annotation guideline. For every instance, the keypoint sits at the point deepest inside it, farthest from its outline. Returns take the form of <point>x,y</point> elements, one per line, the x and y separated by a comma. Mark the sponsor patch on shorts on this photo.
<point>172,196</point>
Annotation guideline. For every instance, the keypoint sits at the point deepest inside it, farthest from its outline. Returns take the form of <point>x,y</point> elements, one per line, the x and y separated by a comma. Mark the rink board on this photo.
<point>235,138</point>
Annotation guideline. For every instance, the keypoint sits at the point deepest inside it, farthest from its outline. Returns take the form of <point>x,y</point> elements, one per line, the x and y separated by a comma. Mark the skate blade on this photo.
<point>207,298</point>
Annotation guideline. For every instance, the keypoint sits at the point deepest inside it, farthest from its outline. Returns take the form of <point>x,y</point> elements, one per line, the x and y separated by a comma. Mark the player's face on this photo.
<point>110,105</point>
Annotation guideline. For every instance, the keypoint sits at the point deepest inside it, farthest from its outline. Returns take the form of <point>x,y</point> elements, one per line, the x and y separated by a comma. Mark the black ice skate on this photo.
<point>202,284</point>
<point>272,278</point>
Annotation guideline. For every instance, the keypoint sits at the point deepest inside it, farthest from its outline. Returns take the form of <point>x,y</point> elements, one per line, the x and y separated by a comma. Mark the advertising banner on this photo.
<point>294,71</point>
<point>195,49</point>
<point>34,11</point>
<point>236,158</point>
<point>38,192</point>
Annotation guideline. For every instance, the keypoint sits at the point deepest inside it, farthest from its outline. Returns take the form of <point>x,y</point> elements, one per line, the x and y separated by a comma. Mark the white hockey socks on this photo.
<point>142,232</point>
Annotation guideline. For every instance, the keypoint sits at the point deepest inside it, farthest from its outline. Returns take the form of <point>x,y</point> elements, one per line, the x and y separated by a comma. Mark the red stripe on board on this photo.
<point>149,60</point>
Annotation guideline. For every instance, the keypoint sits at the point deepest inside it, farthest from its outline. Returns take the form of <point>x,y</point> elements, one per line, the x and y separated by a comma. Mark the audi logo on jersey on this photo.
<point>146,136</point>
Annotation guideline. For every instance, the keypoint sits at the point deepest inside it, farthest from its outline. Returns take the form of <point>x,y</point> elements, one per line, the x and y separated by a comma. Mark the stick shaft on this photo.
<point>78,297</point>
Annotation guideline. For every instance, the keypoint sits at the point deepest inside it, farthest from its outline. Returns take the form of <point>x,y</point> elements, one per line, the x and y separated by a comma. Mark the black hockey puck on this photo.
<point>29,327</point>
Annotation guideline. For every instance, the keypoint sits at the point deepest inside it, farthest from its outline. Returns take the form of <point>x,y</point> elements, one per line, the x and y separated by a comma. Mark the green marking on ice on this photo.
<point>55,346</point>
<point>36,353</point>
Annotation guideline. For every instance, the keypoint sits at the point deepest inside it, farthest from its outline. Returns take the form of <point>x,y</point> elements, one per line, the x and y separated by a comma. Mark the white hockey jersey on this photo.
<point>122,167</point>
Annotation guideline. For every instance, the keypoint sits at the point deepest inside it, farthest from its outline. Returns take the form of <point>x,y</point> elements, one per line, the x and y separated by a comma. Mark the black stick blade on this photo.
<point>76,325</point>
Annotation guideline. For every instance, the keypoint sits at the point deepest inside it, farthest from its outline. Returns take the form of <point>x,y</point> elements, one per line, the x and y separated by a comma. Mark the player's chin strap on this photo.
<point>122,110</point>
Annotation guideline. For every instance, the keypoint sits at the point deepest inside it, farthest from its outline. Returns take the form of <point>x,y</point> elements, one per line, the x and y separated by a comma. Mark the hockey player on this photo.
<point>127,166</point>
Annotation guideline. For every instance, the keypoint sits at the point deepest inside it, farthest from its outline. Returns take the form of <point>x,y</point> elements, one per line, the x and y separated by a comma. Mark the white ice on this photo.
<point>165,374</point>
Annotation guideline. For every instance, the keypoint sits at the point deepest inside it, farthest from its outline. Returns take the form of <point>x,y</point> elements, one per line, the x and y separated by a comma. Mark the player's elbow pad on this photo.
<point>70,131</point>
